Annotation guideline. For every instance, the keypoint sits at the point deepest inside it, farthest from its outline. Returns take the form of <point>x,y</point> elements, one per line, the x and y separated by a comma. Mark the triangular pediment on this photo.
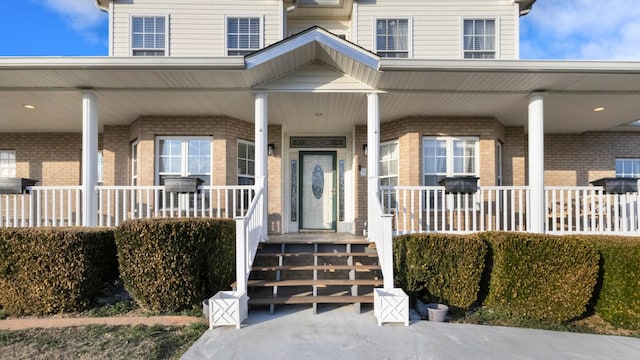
<point>316,77</point>
<point>314,54</point>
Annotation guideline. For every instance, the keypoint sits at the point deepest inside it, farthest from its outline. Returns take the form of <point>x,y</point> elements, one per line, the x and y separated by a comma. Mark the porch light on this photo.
<point>599,108</point>
<point>29,106</point>
<point>365,148</point>
<point>270,149</point>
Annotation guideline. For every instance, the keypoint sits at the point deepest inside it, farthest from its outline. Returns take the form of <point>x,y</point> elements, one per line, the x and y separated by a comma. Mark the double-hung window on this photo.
<point>628,168</point>
<point>7,163</point>
<point>448,157</point>
<point>184,156</point>
<point>479,38</point>
<point>246,162</point>
<point>149,36</point>
<point>389,172</point>
<point>393,37</point>
<point>244,35</point>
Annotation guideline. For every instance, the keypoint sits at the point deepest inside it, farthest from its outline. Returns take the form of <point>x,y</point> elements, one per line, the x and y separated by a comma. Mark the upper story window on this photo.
<point>392,38</point>
<point>449,156</point>
<point>628,168</point>
<point>149,36</point>
<point>7,163</point>
<point>244,35</point>
<point>246,162</point>
<point>479,38</point>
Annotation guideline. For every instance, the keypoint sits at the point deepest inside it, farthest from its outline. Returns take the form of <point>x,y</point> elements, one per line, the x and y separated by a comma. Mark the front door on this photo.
<point>318,190</point>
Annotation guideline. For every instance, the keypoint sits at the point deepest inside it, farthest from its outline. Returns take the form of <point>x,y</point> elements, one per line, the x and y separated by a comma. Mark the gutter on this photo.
<point>122,63</point>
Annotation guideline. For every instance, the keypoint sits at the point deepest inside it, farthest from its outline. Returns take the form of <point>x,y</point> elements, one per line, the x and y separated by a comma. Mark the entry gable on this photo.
<point>314,45</point>
<point>316,77</point>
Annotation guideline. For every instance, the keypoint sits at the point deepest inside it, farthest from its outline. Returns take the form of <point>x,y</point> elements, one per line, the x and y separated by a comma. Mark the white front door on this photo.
<point>318,190</point>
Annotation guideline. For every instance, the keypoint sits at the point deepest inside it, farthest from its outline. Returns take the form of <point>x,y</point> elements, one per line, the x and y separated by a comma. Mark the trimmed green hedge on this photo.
<point>440,268</point>
<point>173,264</point>
<point>541,277</point>
<point>617,298</point>
<point>53,270</point>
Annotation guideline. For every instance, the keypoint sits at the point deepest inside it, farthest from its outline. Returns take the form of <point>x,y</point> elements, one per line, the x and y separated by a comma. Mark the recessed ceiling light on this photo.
<point>29,106</point>
<point>599,108</point>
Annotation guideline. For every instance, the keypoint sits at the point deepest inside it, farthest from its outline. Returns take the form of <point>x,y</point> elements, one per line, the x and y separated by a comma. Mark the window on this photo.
<point>246,163</point>
<point>134,163</point>
<point>479,39</point>
<point>184,156</point>
<point>389,172</point>
<point>392,38</point>
<point>628,168</point>
<point>100,167</point>
<point>7,163</point>
<point>243,35</point>
<point>448,156</point>
<point>148,36</point>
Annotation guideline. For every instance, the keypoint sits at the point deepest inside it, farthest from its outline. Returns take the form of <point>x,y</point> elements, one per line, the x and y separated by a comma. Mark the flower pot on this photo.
<point>437,312</point>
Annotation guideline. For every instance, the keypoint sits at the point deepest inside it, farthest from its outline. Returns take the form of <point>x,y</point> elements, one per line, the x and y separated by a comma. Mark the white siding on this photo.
<point>195,27</point>
<point>334,25</point>
<point>437,24</point>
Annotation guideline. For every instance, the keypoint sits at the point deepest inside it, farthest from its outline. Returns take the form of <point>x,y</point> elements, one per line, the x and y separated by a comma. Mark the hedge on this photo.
<point>53,270</point>
<point>440,268</point>
<point>541,277</point>
<point>617,298</point>
<point>172,264</point>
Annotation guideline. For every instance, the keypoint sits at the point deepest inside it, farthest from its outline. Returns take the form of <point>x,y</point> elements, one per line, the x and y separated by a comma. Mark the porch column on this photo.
<point>89,158</point>
<point>373,152</point>
<point>536,162</point>
<point>261,127</point>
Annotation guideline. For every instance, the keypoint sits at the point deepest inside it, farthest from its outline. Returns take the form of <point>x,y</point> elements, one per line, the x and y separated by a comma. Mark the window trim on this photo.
<point>409,35</point>
<point>183,165</point>
<point>247,176</point>
<point>450,158</point>
<point>135,162</point>
<point>387,143</point>
<point>261,21</point>
<point>12,170</point>
<point>496,51</point>
<point>166,33</point>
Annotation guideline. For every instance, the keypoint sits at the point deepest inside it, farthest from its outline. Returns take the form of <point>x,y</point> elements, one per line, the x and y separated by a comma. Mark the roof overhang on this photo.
<point>525,6</point>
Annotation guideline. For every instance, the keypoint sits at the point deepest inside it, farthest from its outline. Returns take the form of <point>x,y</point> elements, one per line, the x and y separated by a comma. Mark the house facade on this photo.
<point>321,115</point>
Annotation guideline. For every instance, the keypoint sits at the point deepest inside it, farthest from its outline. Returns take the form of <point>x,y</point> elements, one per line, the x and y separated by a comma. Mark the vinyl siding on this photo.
<point>437,24</point>
<point>337,26</point>
<point>196,27</point>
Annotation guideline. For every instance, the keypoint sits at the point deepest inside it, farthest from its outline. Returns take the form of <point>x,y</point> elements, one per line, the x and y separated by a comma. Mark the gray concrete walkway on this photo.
<point>339,333</point>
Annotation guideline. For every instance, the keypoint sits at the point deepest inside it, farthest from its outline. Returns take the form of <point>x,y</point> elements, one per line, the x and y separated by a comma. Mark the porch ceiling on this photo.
<point>128,89</point>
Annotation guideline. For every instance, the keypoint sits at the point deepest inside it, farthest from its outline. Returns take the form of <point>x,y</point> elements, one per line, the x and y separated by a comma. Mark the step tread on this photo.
<point>316,267</point>
<point>319,242</point>
<point>320,254</point>
<point>327,282</point>
<point>308,299</point>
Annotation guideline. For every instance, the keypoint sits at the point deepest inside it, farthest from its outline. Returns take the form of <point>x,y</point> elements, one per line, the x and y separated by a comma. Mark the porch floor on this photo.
<point>318,237</point>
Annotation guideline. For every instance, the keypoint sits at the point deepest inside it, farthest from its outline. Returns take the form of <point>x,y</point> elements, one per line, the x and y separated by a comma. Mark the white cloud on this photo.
<point>582,29</point>
<point>82,16</point>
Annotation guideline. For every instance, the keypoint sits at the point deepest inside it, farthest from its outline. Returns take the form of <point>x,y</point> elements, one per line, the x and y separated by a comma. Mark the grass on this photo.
<point>103,342</point>
<point>590,323</point>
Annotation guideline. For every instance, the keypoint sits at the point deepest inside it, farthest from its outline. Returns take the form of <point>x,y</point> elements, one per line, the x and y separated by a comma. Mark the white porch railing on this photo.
<point>249,233</point>
<point>417,209</point>
<point>588,209</point>
<point>119,203</point>
<point>42,206</point>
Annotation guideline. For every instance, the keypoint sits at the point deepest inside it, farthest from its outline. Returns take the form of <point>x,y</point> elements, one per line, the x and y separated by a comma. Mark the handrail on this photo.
<point>249,233</point>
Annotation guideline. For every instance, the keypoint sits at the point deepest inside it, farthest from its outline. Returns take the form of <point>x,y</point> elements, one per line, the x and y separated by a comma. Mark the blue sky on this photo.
<point>555,29</point>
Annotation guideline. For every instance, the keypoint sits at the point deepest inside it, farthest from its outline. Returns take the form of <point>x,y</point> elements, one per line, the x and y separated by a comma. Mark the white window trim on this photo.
<point>166,31</point>
<point>409,37</point>
<point>261,19</point>
<point>247,142</point>
<point>12,170</point>
<point>497,44</point>
<point>135,164</point>
<point>449,143</point>
<point>184,139</point>
<point>397,175</point>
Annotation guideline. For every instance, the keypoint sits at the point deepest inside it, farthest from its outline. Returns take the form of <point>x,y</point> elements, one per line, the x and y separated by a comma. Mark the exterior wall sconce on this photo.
<point>365,148</point>
<point>270,149</point>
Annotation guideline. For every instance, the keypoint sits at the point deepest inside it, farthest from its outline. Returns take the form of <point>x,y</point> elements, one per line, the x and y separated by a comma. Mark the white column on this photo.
<point>536,162</point>
<point>89,158</point>
<point>373,150</point>
<point>261,124</point>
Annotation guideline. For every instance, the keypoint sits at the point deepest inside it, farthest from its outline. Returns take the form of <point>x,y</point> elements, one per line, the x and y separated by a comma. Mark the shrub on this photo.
<point>441,268</point>
<point>172,264</point>
<point>540,277</point>
<point>617,297</point>
<point>53,270</point>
